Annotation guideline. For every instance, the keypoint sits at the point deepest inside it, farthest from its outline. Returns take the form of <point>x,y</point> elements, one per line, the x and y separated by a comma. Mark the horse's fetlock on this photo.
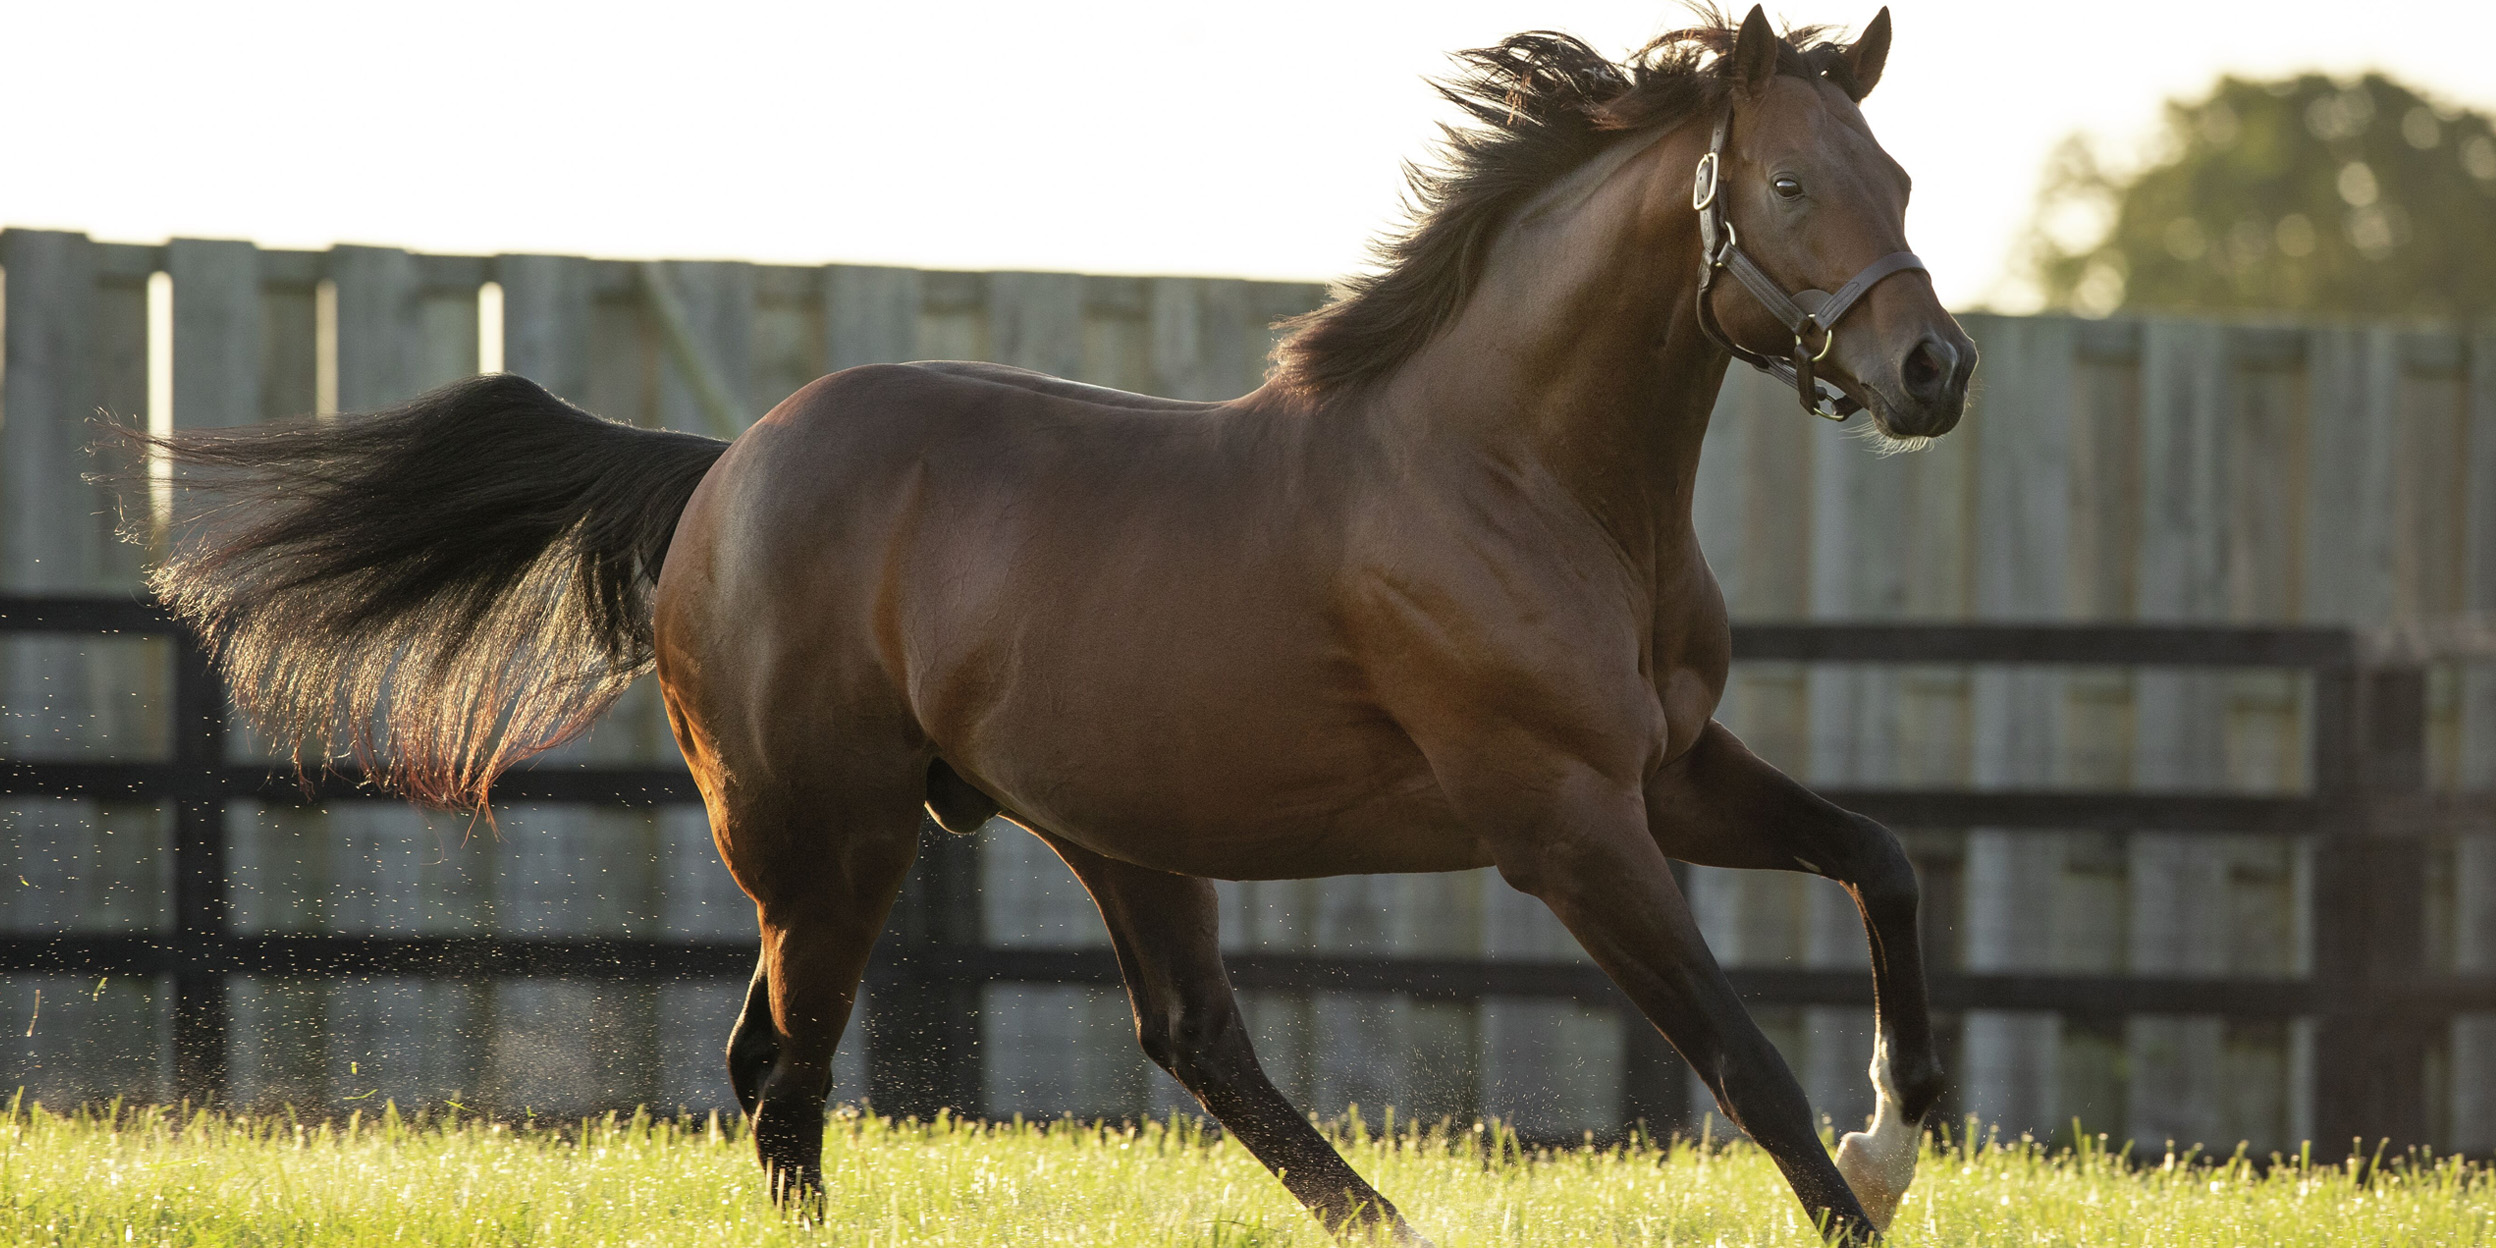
<point>1920,1082</point>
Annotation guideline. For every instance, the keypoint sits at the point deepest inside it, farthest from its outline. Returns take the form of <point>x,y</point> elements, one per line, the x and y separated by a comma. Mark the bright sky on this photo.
<point>1256,139</point>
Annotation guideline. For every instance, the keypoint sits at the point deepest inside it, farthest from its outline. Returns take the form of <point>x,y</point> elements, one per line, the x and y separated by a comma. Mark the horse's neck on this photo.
<point>1578,350</point>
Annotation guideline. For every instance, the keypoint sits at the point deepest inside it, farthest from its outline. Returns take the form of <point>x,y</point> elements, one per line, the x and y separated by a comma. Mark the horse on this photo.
<point>1429,599</point>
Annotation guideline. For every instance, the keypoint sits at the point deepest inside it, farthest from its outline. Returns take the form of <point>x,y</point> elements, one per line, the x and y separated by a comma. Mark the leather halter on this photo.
<point>1805,313</point>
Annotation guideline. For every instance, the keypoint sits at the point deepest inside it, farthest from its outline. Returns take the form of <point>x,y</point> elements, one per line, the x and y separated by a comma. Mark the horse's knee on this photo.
<point>1878,867</point>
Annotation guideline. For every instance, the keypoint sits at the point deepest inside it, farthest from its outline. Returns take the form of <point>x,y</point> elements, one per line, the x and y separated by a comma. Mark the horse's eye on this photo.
<point>1788,188</point>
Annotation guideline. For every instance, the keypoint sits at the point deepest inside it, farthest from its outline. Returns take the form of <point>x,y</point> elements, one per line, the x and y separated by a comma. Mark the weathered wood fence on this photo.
<point>2112,472</point>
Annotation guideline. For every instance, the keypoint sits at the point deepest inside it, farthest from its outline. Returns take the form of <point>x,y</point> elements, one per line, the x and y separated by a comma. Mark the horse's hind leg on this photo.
<point>750,1043</point>
<point>1167,935</point>
<point>1719,805</point>
<point>823,869</point>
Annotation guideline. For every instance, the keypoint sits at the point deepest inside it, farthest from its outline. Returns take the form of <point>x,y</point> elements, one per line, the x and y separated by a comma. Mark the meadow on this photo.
<point>166,1177</point>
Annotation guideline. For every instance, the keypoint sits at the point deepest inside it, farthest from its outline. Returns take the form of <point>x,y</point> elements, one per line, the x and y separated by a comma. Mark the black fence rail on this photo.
<point>2379,1009</point>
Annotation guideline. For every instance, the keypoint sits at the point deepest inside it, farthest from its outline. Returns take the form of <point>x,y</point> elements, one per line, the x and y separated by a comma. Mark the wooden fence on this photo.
<point>2118,471</point>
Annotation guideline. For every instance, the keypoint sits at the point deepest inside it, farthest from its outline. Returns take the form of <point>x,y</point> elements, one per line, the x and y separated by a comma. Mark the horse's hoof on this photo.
<point>1878,1164</point>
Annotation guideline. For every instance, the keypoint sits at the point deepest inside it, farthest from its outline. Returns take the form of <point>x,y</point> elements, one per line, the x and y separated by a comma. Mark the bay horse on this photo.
<point>1429,599</point>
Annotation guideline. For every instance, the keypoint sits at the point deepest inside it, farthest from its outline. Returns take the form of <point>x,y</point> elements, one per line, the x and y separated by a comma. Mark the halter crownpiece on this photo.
<point>1805,313</point>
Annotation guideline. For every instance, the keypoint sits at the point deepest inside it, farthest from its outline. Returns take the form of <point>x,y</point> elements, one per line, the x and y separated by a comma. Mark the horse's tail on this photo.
<point>442,588</point>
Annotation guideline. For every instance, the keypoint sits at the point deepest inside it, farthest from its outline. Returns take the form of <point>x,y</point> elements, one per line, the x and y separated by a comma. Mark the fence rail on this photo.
<point>2377,1013</point>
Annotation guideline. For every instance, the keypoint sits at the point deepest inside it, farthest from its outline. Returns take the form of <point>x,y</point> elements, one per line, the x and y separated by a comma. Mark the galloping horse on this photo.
<point>1428,600</point>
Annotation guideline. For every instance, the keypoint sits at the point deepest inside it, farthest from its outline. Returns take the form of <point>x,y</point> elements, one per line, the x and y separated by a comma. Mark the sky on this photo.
<point>1259,140</point>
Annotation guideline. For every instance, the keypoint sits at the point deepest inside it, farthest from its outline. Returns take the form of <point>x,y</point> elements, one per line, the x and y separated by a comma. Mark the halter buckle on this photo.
<point>1703,184</point>
<point>1725,247</point>
<point>1828,339</point>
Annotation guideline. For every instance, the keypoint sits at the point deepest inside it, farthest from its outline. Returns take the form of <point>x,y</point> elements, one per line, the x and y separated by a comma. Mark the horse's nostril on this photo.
<point>1927,369</point>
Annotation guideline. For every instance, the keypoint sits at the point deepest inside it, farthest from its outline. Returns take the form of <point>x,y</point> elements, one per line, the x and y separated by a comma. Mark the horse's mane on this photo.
<point>1542,104</point>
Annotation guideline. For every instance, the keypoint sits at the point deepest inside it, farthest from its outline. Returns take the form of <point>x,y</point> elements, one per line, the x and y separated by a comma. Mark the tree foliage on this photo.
<point>2301,195</point>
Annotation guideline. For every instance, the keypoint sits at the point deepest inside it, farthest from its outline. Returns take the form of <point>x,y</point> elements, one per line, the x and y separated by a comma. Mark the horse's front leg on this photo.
<point>1580,843</point>
<point>1718,805</point>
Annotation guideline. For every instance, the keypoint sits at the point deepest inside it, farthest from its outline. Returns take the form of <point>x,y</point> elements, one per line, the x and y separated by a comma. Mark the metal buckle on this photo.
<point>1724,247</point>
<point>1703,184</point>
<point>1828,339</point>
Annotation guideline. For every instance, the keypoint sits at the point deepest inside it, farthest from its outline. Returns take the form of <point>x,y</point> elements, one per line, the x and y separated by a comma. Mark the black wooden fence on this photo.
<point>2380,1009</point>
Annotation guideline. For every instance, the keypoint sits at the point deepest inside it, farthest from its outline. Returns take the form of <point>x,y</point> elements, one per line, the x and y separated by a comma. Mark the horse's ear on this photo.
<point>1754,52</point>
<point>1865,59</point>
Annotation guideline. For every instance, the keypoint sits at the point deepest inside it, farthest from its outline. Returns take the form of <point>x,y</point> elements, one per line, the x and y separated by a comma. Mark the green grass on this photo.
<point>162,1177</point>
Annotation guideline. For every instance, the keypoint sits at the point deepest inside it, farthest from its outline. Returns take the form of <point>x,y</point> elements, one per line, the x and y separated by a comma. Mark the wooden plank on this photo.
<point>2179,720</point>
<point>298,271</point>
<point>2350,574</point>
<point>290,338</point>
<point>380,329</point>
<point>2353,383</point>
<point>718,301</point>
<point>446,349</point>
<point>1035,321</point>
<point>2012,1061</point>
<point>548,306</point>
<point>1200,330</point>
<point>871,315</point>
<point>549,321</point>
<point>789,336</point>
<point>1052,1050</point>
<point>1229,359</point>
<point>86,864</point>
<point>954,317</point>
<point>223,344</point>
<point>2269,1091</point>
<point>552,873</point>
<point>52,389</point>
<point>378,339</point>
<point>453,275</point>
<point>1117,337</point>
<point>219,333</point>
<point>2267,464</point>
<point>1549,1068</point>
<point>2473,1041</point>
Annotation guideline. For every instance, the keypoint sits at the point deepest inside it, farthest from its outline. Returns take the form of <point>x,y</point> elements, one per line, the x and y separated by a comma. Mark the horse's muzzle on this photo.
<point>1928,393</point>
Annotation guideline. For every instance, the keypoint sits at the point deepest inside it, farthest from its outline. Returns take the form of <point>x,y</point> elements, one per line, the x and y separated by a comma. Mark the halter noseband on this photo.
<point>1719,249</point>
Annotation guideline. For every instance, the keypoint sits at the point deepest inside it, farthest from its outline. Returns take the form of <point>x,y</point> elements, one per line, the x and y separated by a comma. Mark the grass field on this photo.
<point>158,1177</point>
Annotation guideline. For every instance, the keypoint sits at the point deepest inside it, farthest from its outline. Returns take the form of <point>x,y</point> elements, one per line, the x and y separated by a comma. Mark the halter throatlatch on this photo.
<point>1811,315</point>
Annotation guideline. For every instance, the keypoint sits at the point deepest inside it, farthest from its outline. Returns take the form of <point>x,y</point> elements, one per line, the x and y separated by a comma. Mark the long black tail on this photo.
<point>442,588</point>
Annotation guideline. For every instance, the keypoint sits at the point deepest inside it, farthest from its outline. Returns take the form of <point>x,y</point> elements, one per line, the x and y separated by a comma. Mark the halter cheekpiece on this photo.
<point>1808,314</point>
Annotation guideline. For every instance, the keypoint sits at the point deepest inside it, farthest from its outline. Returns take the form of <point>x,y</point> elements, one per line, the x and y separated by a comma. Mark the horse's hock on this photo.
<point>2121,470</point>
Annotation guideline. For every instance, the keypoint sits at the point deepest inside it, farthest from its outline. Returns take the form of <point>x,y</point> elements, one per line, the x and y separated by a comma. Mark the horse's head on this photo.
<point>1811,202</point>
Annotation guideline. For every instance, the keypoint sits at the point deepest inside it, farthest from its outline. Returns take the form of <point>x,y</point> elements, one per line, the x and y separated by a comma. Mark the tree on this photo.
<point>2300,195</point>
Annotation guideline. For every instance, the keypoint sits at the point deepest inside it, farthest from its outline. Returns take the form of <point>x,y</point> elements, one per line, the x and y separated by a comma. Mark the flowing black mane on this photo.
<point>1543,103</point>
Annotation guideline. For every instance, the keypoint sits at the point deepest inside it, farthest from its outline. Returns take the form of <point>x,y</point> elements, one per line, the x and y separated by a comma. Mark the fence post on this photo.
<point>2369,934</point>
<point>199,883</point>
<point>923,1027</point>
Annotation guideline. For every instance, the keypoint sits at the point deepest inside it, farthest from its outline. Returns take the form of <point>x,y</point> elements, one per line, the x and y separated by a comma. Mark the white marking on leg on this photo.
<point>1879,1162</point>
